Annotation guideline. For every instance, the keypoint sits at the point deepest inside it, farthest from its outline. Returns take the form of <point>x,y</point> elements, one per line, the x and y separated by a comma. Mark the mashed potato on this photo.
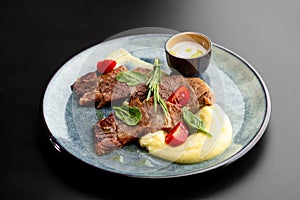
<point>198,146</point>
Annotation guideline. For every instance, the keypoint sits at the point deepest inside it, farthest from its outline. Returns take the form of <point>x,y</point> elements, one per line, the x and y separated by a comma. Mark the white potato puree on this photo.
<point>198,146</point>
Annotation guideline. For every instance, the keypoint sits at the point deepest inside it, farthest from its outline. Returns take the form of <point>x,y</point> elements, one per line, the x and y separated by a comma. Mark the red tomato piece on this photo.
<point>177,135</point>
<point>105,66</point>
<point>180,96</point>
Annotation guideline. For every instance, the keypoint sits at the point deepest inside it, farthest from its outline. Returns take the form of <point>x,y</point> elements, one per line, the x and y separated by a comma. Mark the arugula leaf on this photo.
<point>131,78</point>
<point>129,115</point>
<point>194,122</point>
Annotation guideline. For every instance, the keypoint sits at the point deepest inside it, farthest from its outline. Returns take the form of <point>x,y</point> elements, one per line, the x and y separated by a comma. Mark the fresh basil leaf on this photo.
<point>194,122</point>
<point>129,115</point>
<point>131,77</point>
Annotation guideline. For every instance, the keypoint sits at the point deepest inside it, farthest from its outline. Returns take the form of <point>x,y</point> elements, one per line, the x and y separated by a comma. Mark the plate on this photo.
<point>239,89</point>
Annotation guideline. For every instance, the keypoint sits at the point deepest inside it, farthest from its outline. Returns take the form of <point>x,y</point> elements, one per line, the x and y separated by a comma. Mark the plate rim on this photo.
<point>267,115</point>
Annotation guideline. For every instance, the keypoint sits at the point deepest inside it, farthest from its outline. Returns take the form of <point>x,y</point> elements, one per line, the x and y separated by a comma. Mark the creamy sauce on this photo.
<point>198,146</point>
<point>188,49</point>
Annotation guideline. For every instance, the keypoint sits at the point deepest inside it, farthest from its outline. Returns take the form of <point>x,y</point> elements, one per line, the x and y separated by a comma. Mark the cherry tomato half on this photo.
<point>180,96</point>
<point>177,135</point>
<point>105,66</point>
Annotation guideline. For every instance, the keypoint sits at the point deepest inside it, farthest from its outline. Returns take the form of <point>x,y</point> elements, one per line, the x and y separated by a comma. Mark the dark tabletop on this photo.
<point>37,37</point>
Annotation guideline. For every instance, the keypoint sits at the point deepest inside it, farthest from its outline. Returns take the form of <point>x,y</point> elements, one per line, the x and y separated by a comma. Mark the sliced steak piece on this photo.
<point>203,93</point>
<point>111,133</point>
<point>200,93</point>
<point>171,83</point>
<point>110,88</point>
<point>105,137</point>
<point>100,90</point>
<point>85,88</point>
<point>86,83</point>
<point>104,89</point>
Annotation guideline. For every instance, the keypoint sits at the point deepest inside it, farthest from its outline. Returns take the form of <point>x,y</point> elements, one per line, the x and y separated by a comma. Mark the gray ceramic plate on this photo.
<point>239,89</point>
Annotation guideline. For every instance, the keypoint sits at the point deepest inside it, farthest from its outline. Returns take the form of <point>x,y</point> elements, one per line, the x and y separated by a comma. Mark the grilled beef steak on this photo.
<point>85,87</point>
<point>203,94</point>
<point>112,133</point>
<point>98,90</point>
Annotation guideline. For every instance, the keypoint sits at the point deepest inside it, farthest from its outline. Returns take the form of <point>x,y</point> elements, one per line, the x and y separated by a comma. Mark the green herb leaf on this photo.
<point>131,77</point>
<point>194,122</point>
<point>153,86</point>
<point>129,115</point>
<point>99,114</point>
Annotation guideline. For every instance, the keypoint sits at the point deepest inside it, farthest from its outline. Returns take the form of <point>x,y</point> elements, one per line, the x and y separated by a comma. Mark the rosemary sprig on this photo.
<point>153,86</point>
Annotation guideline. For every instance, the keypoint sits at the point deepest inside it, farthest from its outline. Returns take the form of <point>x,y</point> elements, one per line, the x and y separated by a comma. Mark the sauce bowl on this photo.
<point>188,53</point>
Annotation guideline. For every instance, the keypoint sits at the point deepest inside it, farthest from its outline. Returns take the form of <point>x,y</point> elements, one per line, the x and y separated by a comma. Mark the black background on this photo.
<point>37,37</point>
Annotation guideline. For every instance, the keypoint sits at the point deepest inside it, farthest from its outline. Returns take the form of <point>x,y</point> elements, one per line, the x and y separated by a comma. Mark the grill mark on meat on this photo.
<point>106,139</point>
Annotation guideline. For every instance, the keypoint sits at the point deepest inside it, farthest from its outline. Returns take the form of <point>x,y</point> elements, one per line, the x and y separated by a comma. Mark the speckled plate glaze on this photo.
<point>239,90</point>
